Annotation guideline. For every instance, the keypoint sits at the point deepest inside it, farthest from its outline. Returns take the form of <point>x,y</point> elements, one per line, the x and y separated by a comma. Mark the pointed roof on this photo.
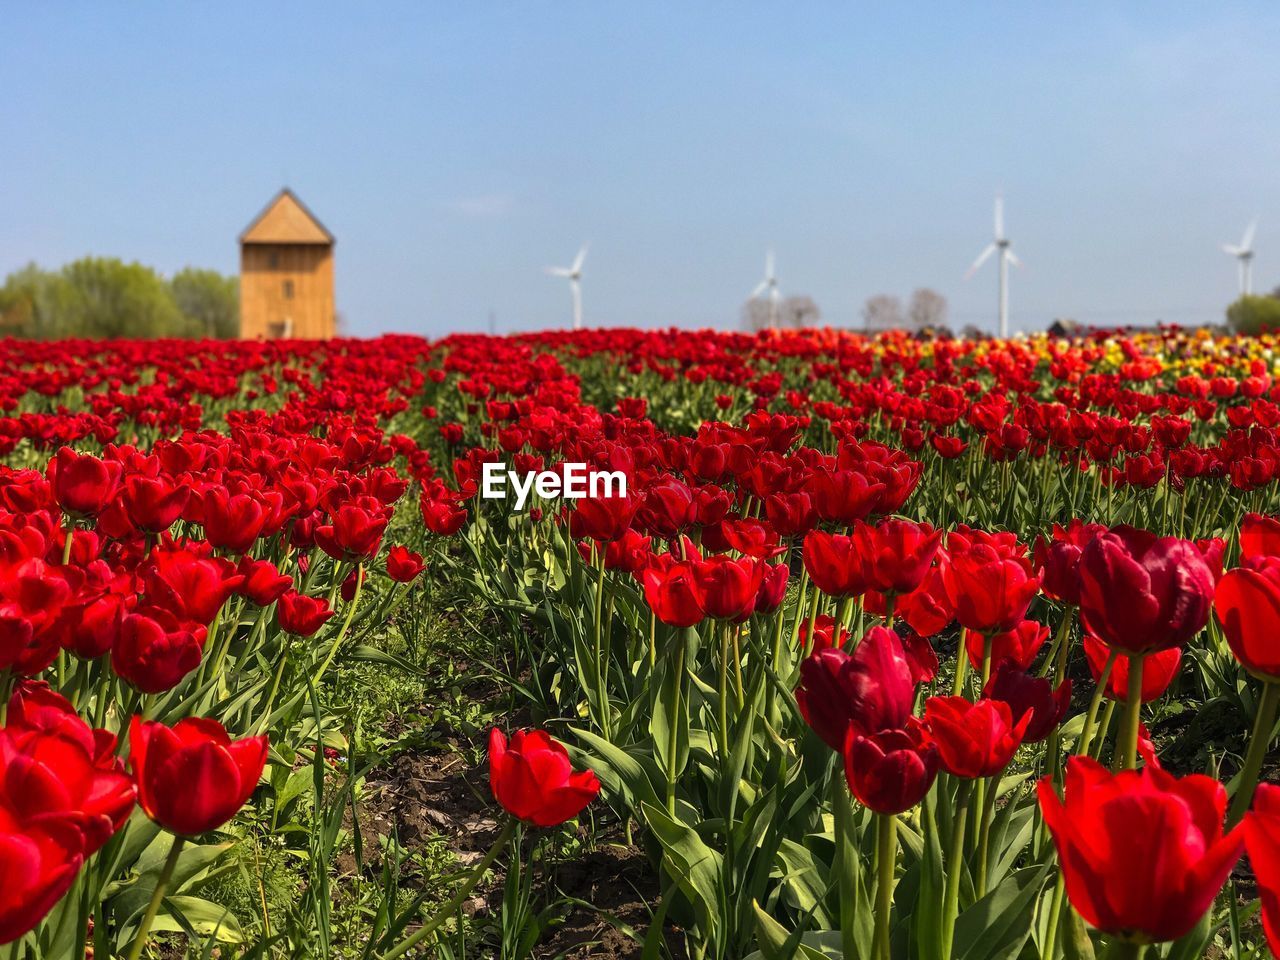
<point>286,220</point>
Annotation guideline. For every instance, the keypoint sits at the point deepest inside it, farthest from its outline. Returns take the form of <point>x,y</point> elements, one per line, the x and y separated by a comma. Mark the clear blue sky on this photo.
<point>458,149</point>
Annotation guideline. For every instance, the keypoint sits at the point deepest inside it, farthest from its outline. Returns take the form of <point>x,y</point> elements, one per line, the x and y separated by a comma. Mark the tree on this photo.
<point>209,301</point>
<point>882,312</point>
<point>795,313</point>
<point>106,297</point>
<point>927,310</point>
<point>1254,314</point>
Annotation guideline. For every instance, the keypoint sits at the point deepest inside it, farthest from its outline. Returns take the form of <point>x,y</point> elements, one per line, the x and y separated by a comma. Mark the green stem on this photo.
<point>673,739</point>
<point>991,788</point>
<point>1055,917</point>
<point>459,897</point>
<point>1091,718</point>
<point>1125,950</point>
<point>346,625</point>
<point>886,861</point>
<point>157,895</point>
<point>951,902</point>
<point>1128,752</point>
<point>1264,725</point>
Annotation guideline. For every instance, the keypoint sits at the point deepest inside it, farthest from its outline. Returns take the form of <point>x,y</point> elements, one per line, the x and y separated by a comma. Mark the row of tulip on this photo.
<point>851,652</point>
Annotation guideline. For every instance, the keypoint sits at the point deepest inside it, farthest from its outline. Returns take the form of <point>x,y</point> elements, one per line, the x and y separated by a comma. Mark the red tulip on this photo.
<point>974,739</point>
<point>154,503</point>
<point>1143,853</point>
<point>155,650</point>
<point>773,587</point>
<point>354,531</point>
<point>1247,603</point>
<point>191,586</point>
<point>403,565</point>
<point>926,609</point>
<point>192,777</point>
<point>1142,593</point>
<point>988,581</point>
<point>301,615</point>
<point>1262,838</point>
<point>83,485</point>
<point>834,564</point>
<point>1057,560</point>
<point>601,518</point>
<point>263,583</point>
<point>870,689</point>
<point>534,781</point>
<point>730,586</point>
<point>891,771</point>
<point>442,517</point>
<point>1021,644</point>
<point>37,867</point>
<point>231,522</point>
<point>1158,670</point>
<point>896,554</point>
<point>53,767</point>
<point>1027,694</point>
<point>824,634</point>
<point>674,591</point>
<point>1259,536</point>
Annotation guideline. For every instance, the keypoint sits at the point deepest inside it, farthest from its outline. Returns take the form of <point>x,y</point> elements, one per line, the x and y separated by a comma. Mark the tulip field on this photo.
<point>892,648</point>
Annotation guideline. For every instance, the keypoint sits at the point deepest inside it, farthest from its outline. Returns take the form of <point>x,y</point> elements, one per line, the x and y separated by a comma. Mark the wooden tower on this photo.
<point>286,274</point>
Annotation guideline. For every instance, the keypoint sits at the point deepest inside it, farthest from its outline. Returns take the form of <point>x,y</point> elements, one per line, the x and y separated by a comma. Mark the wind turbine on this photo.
<point>768,285</point>
<point>574,276</point>
<point>1244,255</point>
<point>1001,245</point>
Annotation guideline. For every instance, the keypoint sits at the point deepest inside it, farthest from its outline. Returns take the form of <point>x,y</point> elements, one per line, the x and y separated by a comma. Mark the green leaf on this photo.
<point>203,917</point>
<point>694,866</point>
<point>997,926</point>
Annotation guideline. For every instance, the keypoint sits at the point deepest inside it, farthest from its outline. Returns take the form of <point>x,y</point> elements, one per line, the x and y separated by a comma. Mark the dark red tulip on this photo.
<point>301,615</point>
<point>192,587</point>
<point>1142,593</point>
<point>1057,560</point>
<point>1143,852</point>
<point>974,739</point>
<point>192,777</point>
<point>533,779</point>
<point>891,771</point>
<point>870,688</point>
<point>773,587</point>
<point>1025,694</point>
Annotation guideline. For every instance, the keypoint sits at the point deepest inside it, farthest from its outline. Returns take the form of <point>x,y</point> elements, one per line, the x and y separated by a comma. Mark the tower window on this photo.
<point>288,289</point>
<point>273,260</point>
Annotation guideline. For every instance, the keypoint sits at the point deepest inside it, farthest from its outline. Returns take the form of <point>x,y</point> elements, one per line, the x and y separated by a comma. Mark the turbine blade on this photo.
<point>982,258</point>
<point>578,260</point>
<point>1232,249</point>
<point>999,217</point>
<point>768,266</point>
<point>1247,242</point>
<point>559,272</point>
<point>1013,257</point>
<point>760,288</point>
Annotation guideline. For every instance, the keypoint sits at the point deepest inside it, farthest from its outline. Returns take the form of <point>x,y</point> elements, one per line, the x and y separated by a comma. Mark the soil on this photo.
<point>427,794</point>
